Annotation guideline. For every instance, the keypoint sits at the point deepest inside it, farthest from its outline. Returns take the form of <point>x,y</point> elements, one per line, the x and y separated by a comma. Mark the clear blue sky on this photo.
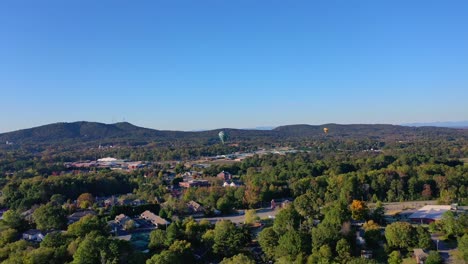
<point>209,64</point>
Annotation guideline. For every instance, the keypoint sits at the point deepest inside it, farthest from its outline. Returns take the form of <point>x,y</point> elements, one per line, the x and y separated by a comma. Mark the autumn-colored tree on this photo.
<point>85,200</point>
<point>427,191</point>
<point>370,225</point>
<point>252,195</point>
<point>358,210</point>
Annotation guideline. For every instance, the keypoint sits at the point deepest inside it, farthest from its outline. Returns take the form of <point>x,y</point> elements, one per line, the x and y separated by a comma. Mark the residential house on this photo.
<point>121,219</point>
<point>33,235</point>
<point>230,184</point>
<point>195,208</point>
<point>420,255</point>
<point>76,216</point>
<point>367,254</point>
<point>138,202</point>
<point>125,202</point>
<point>360,237</point>
<point>111,201</point>
<point>154,219</point>
<point>225,176</point>
<point>194,183</point>
<point>28,215</point>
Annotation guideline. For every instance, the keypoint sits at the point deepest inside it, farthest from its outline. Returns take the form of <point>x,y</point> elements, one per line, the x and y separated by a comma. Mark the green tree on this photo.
<point>423,238</point>
<point>208,237</point>
<point>434,258</point>
<point>88,251</point>
<point>291,244</point>
<point>41,255</point>
<point>323,255</point>
<point>173,233</point>
<point>268,240</point>
<point>343,251</point>
<point>378,215</point>
<point>165,257</point>
<point>286,219</point>
<point>7,236</point>
<point>224,205</point>
<point>395,258</point>
<point>325,234</point>
<point>400,235</point>
<point>54,240</point>
<point>49,217</point>
<point>9,250</point>
<point>251,216</point>
<point>96,248</point>
<point>463,247</point>
<point>308,205</point>
<point>183,251</point>
<point>451,226</point>
<point>237,259</point>
<point>13,219</point>
<point>58,199</point>
<point>228,239</point>
<point>86,225</point>
<point>157,239</point>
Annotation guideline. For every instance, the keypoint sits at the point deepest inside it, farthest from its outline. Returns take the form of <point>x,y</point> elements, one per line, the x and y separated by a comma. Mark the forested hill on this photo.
<point>366,130</point>
<point>81,132</point>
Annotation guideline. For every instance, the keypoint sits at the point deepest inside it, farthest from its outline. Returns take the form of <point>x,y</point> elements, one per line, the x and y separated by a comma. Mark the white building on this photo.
<point>33,235</point>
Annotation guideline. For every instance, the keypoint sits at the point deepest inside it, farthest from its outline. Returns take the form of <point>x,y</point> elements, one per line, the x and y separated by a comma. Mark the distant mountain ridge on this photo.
<point>83,131</point>
<point>452,124</point>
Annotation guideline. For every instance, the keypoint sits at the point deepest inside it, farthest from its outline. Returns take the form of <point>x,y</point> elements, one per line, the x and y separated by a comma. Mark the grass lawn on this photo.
<point>409,261</point>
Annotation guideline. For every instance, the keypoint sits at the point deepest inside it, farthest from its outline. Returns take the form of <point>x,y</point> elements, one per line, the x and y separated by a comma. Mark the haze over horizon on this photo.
<point>206,65</point>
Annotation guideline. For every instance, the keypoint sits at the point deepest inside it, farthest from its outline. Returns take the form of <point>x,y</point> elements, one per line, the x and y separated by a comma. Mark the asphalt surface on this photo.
<point>238,219</point>
<point>444,249</point>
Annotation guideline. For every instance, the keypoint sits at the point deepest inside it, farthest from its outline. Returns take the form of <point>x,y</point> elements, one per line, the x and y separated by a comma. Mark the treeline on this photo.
<point>86,241</point>
<point>296,236</point>
<point>368,177</point>
<point>23,193</point>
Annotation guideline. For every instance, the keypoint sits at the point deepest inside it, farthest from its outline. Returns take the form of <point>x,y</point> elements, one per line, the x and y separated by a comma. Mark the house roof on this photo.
<point>433,212</point>
<point>107,159</point>
<point>33,232</point>
<point>418,252</point>
<point>195,206</point>
<point>121,217</point>
<point>81,214</point>
<point>154,218</point>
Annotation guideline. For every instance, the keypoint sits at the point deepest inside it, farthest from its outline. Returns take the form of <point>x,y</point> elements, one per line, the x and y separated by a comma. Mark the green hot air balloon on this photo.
<point>222,136</point>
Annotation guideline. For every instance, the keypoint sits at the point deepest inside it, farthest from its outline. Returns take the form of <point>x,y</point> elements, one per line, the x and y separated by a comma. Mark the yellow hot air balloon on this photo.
<point>325,130</point>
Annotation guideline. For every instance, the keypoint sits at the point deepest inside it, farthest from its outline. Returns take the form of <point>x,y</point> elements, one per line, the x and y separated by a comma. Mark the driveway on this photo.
<point>444,248</point>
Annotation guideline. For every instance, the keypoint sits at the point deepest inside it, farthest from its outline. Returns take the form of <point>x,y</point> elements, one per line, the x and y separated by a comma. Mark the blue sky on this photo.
<point>208,64</point>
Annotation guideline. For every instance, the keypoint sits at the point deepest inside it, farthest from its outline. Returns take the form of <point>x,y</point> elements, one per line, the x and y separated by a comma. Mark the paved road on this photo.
<point>262,213</point>
<point>405,205</point>
<point>443,247</point>
<point>266,212</point>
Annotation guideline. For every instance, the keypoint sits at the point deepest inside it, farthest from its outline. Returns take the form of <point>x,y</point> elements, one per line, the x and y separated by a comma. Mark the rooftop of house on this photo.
<point>80,214</point>
<point>33,232</point>
<point>154,218</point>
<point>434,212</point>
<point>121,217</point>
<point>418,252</point>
